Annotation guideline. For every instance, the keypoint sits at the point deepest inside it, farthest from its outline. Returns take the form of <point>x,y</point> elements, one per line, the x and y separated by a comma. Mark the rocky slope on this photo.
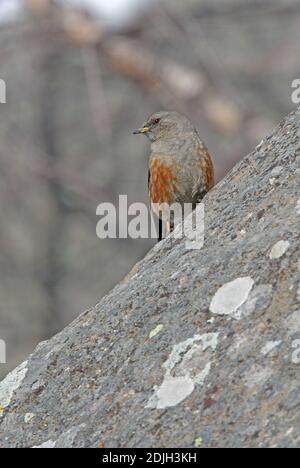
<point>194,347</point>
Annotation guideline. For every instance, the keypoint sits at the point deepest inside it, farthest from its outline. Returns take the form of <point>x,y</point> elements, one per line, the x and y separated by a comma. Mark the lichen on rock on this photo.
<point>223,371</point>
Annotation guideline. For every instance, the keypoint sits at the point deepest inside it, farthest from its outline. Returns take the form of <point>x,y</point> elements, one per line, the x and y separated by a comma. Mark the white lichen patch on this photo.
<point>279,249</point>
<point>198,442</point>
<point>188,365</point>
<point>156,331</point>
<point>231,296</point>
<point>28,417</point>
<point>172,391</point>
<point>269,346</point>
<point>276,171</point>
<point>183,352</point>
<point>298,206</point>
<point>11,383</point>
<point>48,444</point>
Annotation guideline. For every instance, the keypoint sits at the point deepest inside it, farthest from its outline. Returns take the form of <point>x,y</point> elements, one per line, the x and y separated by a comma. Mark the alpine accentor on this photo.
<point>180,167</point>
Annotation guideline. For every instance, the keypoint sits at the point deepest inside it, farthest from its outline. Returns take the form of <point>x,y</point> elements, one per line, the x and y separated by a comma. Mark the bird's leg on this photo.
<point>160,230</point>
<point>170,227</point>
<point>170,223</point>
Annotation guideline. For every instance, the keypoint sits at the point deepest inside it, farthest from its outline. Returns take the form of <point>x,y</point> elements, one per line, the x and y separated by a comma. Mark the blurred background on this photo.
<point>80,76</point>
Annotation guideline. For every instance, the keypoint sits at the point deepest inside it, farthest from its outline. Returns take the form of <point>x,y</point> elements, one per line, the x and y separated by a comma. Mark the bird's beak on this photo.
<point>141,130</point>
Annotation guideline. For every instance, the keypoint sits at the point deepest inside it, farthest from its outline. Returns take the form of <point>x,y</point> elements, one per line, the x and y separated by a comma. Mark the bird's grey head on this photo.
<point>165,125</point>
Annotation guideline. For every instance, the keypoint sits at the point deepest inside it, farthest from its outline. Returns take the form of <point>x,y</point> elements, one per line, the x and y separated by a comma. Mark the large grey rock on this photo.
<point>193,347</point>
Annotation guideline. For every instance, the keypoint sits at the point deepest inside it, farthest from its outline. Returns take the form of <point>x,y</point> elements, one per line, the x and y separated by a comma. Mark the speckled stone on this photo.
<point>91,384</point>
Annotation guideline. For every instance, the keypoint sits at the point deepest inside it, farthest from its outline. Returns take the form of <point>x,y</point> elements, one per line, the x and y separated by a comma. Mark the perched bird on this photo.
<point>180,167</point>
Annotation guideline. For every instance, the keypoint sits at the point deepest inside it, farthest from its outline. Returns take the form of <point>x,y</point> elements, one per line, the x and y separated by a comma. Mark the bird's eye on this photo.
<point>156,121</point>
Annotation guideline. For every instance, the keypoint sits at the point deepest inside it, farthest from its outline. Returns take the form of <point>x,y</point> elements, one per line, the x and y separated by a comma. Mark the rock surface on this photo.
<point>194,347</point>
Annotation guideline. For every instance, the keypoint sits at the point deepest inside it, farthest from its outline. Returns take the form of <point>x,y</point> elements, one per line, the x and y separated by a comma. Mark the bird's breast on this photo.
<point>162,181</point>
